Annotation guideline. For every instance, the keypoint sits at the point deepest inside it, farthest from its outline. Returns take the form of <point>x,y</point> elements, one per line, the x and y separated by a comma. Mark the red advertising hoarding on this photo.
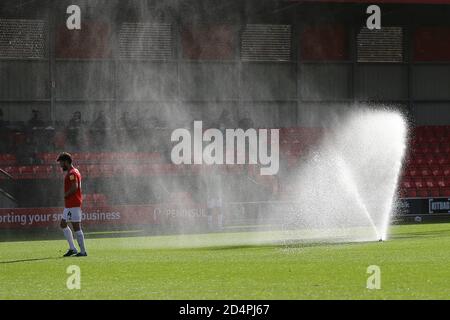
<point>21,218</point>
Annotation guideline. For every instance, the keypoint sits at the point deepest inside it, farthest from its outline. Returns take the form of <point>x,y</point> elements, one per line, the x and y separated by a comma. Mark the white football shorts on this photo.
<point>72,214</point>
<point>214,203</point>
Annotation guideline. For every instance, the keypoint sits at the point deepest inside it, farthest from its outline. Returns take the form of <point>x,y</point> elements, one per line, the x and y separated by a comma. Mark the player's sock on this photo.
<point>69,237</point>
<point>80,240</point>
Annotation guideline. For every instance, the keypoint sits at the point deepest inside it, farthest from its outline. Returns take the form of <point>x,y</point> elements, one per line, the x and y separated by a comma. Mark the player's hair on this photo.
<point>65,156</point>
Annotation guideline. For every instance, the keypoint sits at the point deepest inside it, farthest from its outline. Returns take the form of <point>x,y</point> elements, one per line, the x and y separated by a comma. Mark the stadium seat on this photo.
<point>402,193</point>
<point>441,182</point>
<point>418,183</point>
<point>407,184</point>
<point>106,170</point>
<point>132,170</point>
<point>434,192</point>
<point>7,159</point>
<point>411,193</point>
<point>445,192</point>
<point>430,183</point>
<point>445,146</point>
<point>422,193</point>
<point>26,172</point>
<point>425,172</point>
<point>93,171</point>
<point>446,171</point>
<point>418,159</point>
<point>435,148</point>
<point>48,158</point>
<point>12,170</point>
<point>107,157</point>
<point>430,159</point>
<point>43,171</point>
<point>59,140</point>
<point>436,171</point>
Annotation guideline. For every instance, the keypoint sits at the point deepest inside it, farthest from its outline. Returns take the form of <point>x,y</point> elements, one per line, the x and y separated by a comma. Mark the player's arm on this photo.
<point>72,190</point>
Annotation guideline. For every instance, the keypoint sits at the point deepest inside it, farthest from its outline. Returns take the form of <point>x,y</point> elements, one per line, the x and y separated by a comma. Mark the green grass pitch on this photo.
<point>414,264</point>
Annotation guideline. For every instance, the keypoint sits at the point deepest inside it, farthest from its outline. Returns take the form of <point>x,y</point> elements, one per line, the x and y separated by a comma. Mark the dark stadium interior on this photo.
<point>113,101</point>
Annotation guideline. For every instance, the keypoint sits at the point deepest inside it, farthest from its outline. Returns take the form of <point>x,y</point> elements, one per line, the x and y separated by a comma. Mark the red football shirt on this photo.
<point>75,199</point>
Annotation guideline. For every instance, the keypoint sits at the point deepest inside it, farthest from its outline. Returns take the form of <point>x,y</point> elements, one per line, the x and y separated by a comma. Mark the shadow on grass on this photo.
<point>29,260</point>
<point>288,244</point>
<point>417,234</point>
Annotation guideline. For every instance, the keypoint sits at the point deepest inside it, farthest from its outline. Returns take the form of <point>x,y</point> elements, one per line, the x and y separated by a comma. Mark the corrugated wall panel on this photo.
<point>431,113</point>
<point>384,45</point>
<point>431,82</point>
<point>148,41</point>
<point>263,81</point>
<point>139,81</point>
<point>266,42</point>
<point>325,81</point>
<point>84,80</point>
<point>24,80</point>
<point>381,82</point>
<point>211,81</point>
<point>23,38</point>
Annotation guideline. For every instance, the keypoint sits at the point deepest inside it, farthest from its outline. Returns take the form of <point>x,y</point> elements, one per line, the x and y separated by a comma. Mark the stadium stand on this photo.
<point>427,167</point>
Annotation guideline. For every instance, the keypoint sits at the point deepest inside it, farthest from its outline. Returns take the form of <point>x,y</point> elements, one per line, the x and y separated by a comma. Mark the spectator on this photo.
<point>100,122</point>
<point>35,120</point>
<point>224,121</point>
<point>75,131</point>
<point>98,130</point>
<point>75,121</point>
<point>246,122</point>
<point>125,121</point>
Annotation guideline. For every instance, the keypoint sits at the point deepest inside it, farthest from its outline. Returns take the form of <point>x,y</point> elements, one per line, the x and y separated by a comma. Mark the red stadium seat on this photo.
<point>403,193</point>
<point>407,184</point>
<point>107,157</point>
<point>429,183</point>
<point>422,193</point>
<point>132,170</point>
<point>59,140</point>
<point>445,146</point>
<point>435,148</point>
<point>411,193</point>
<point>48,158</point>
<point>26,172</point>
<point>99,199</point>
<point>12,170</point>
<point>7,159</point>
<point>43,171</point>
<point>446,171</point>
<point>425,172</point>
<point>418,159</point>
<point>436,171</point>
<point>434,192</point>
<point>443,159</point>
<point>445,192</point>
<point>441,182</point>
<point>421,148</point>
<point>418,183</point>
<point>93,171</point>
<point>106,170</point>
<point>430,159</point>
